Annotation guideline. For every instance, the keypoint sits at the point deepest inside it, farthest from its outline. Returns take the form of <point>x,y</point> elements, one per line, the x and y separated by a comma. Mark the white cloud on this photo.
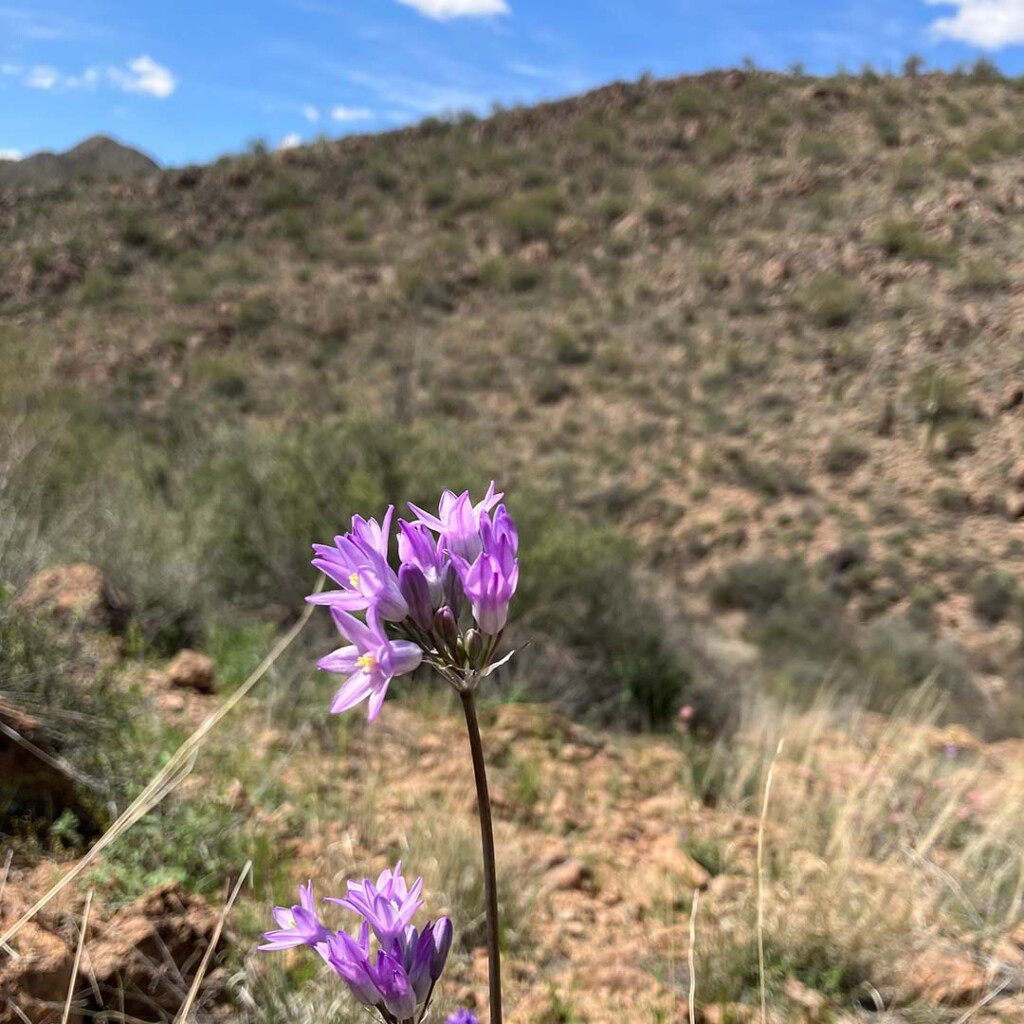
<point>88,79</point>
<point>145,76</point>
<point>991,24</point>
<point>444,10</point>
<point>351,114</point>
<point>290,141</point>
<point>140,75</point>
<point>311,114</point>
<point>42,77</point>
<point>10,154</point>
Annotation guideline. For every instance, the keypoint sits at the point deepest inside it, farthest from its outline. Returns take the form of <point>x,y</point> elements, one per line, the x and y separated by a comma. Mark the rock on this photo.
<point>1014,507</point>
<point>151,948</point>
<point>680,872</point>
<point>570,875</point>
<point>774,273</point>
<point>39,980</point>
<point>1017,476</point>
<point>236,797</point>
<point>1012,397</point>
<point>946,980</point>
<point>77,594</point>
<point>191,670</point>
<point>813,1004</point>
<point>535,252</point>
<point>629,225</point>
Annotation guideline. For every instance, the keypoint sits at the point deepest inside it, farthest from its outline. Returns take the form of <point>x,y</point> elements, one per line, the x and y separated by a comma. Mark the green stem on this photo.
<point>487,841</point>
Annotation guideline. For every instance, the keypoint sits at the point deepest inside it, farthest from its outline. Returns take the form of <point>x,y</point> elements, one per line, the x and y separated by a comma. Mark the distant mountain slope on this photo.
<point>769,326</point>
<point>97,157</point>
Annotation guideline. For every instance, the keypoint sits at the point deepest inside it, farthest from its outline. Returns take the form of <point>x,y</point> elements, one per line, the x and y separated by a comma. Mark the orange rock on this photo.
<point>76,593</point>
<point>191,670</point>
<point>946,980</point>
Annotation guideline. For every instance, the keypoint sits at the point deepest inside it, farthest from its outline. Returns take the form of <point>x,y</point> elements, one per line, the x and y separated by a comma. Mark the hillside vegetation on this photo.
<point>764,328</point>
<point>744,351</point>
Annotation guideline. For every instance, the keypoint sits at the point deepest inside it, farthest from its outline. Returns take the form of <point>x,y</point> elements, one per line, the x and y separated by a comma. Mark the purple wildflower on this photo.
<point>371,662</point>
<point>358,563</point>
<point>491,580</point>
<point>388,906</point>
<point>396,978</point>
<point>299,925</point>
<point>462,1016</point>
<point>350,959</point>
<point>458,521</point>
<point>418,547</point>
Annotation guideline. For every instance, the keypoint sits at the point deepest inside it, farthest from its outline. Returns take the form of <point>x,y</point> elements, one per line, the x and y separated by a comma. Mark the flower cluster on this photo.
<point>397,980</point>
<point>467,554</point>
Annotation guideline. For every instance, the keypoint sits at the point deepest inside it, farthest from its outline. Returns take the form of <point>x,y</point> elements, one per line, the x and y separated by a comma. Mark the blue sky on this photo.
<point>187,80</point>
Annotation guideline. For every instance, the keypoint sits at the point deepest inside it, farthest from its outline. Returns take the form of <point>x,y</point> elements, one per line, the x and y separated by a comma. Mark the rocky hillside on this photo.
<point>96,159</point>
<point>763,328</point>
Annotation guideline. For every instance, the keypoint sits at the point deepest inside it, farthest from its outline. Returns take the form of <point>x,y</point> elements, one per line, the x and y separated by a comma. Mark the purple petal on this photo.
<point>352,693</point>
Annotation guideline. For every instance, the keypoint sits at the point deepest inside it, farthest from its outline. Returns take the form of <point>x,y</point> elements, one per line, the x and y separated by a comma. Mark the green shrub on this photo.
<point>550,388</point>
<point>833,300</point>
<point>692,100</point>
<point>588,614</point>
<point>439,193</point>
<point>225,376</point>
<point>994,595</point>
<point>100,286</point>
<point>907,238</point>
<point>285,194</point>
<point>357,230</point>
<point>912,171</point>
<point>959,437</point>
<point>822,149</point>
<point>938,395</point>
<point>888,128</point>
<point>139,233</point>
<point>611,208</point>
<point>567,349</point>
<point>719,144</point>
<point>756,584</point>
<point>532,216</point>
<point>255,314</point>
<point>984,275</point>
<point>844,456</point>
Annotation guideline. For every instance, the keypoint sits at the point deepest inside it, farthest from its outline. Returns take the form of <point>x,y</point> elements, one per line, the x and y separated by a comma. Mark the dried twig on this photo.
<point>201,973</point>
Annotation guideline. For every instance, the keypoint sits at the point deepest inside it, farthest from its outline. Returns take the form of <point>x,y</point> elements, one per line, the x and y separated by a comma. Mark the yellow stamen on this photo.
<point>354,580</point>
<point>366,662</point>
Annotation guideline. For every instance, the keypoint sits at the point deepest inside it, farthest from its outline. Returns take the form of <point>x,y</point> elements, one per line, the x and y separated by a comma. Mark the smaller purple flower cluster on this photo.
<point>467,553</point>
<point>398,980</point>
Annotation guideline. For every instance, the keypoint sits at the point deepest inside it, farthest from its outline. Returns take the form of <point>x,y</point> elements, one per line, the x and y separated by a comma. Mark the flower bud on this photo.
<point>416,592</point>
<point>442,932</point>
<point>393,983</point>
<point>451,589</point>
<point>447,628</point>
<point>474,643</point>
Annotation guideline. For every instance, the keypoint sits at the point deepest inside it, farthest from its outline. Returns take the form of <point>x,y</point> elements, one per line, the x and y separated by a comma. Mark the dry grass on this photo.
<point>883,845</point>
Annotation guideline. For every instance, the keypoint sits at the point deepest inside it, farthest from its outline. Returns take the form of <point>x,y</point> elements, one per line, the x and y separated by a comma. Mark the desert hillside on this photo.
<point>744,351</point>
